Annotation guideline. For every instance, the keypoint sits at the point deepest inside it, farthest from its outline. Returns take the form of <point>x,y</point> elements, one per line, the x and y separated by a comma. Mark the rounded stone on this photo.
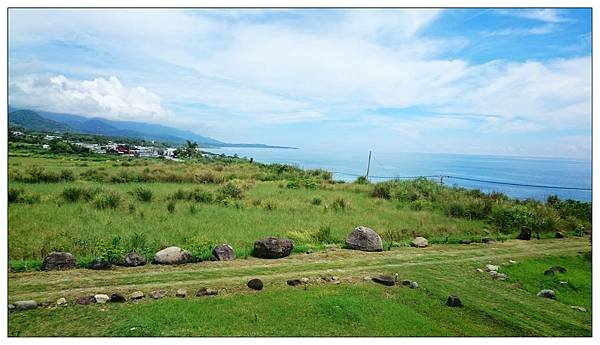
<point>255,284</point>
<point>223,252</point>
<point>172,256</point>
<point>272,248</point>
<point>419,242</point>
<point>58,261</point>
<point>365,239</point>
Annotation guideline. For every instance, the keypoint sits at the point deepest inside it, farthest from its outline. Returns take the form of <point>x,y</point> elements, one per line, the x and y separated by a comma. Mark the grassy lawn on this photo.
<point>353,307</point>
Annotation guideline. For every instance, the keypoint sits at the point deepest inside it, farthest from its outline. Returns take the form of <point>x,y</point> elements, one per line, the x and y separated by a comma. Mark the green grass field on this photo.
<point>353,307</point>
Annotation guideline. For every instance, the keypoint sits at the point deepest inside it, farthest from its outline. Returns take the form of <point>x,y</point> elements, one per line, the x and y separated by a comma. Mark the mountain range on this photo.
<point>58,122</point>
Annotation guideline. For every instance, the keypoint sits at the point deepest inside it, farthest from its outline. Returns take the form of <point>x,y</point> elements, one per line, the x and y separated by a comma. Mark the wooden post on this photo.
<point>441,180</point>
<point>368,166</point>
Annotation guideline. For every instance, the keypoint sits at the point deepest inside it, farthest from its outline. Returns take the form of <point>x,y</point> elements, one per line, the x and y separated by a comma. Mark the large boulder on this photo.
<point>272,248</point>
<point>101,298</point>
<point>559,234</point>
<point>255,284</point>
<point>117,298</point>
<point>172,256</point>
<point>385,280</point>
<point>547,294</point>
<point>25,305</point>
<point>454,301</point>
<point>58,261</point>
<point>419,242</point>
<point>365,239</point>
<point>133,260</point>
<point>223,252</point>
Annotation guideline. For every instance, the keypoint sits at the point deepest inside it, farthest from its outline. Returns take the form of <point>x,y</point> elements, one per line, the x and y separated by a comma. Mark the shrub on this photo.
<point>19,195</point>
<point>340,204</point>
<point>509,218</point>
<point>95,175</point>
<point>131,208</point>
<point>111,251</point>
<point>106,200</point>
<point>391,237</point>
<point>67,175</point>
<point>202,196</point>
<point>269,205</point>
<point>143,194</point>
<point>137,242</point>
<point>361,180</point>
<point>38,174</point>
<point>323,235</point>
<point>71,194</point>
<point>231,190</point>
<point>193,209</point>
<point>382,190</point>
<point>171,206</point>
<point>316,201</point>
<point>294,184</point>
<point>200,248</point>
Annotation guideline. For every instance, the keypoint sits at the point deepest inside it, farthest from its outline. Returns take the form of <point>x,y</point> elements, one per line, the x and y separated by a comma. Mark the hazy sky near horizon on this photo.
<point>485,81</point>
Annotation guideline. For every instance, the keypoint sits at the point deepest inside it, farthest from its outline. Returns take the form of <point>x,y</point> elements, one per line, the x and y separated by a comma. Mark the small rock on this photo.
<point>563,283</point>
<point>85,300</point>
<point>58,261</point>
<point>101,298</point>
<point>61,301</point>
<point>464,241</point>
<point>547,294</point>
<point>559,234</point>
<point>578,308</point>
<point>133,260</point>
<point>181,293</point>
<point>137,295</point>
<point>117,298</point>
<point>479,270</point>
<point>294,282</point>
<point>512,262</point>
<point>158,294</point>
<point>385,280</point>
<point>419,242</point>
<point>100,264</point>
<point>206,292</point>
<point>223,252</point>
<point>488,240</point>
<point>367,278</point>
<point>414,285</point>
<point>454,301</point>
<point>500,276</point>
<point>25,305</point>
<point>491,268</point>
<point>255,284</point>
<point>405,282</point>
<point>304,280</point>
<point>555,269</point>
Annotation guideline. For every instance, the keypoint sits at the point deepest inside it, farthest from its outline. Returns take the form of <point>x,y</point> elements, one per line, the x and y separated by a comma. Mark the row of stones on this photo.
<point>361,238</point>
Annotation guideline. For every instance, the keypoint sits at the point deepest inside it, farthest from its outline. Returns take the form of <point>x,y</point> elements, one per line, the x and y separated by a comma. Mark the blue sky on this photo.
<point>481,81</point>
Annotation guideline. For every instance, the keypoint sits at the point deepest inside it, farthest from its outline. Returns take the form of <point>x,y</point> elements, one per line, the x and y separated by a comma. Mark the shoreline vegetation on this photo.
<point>104,206</point>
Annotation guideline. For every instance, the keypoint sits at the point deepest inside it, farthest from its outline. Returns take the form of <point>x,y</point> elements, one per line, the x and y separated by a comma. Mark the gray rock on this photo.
<point>255,284</point>
<point>206,292</point>
<point>158,294</point>
<point>304,280</point>
<point>223,252</point>
<point>272,248</point>
<point>294,282</point>
<point>559,234</point>
<point>491,268</point>
<point>365,239</point>
<point>61,301</point>
<point>85,300</point>
<point>499,276</point>
<point>133,260</point>
<point>578,308</point>
<point>58,261</point>
<point>101,298</point>
<point>405,282</point>
<point>555,269</point>
<point>385,280</point>
<point>172,256</point>
<point>525,234</point>
<point>414,285</point>
<point>488,240</point>
<point>25,305</point>
<point>547,294</point>
<point>137,295</point>
<point>181,293</point>
<point>117,298</point>
<point>11,306</point>
<point>419,242</point>
<point>100,264</point>
<point>454,301</point>
<point>464,241</point>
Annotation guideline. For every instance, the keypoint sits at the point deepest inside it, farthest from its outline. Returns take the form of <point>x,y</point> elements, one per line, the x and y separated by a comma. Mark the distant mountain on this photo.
<point>31,120</point>
<point>140,130</point>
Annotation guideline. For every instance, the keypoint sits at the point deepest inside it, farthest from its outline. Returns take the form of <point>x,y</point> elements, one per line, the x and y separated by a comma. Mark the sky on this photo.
<point>474,81</point>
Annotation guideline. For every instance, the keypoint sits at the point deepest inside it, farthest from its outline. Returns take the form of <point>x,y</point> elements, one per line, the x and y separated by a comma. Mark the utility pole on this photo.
<point>441,180</point>
<point>368,166</point>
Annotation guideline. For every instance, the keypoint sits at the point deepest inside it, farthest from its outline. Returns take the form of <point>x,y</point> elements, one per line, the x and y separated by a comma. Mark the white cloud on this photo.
<point>548,15</point>
<point>108,98</point>
<point>536,30</point>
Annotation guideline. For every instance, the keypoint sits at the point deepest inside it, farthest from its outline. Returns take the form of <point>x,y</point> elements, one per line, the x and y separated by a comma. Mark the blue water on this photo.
<point>523,170</point>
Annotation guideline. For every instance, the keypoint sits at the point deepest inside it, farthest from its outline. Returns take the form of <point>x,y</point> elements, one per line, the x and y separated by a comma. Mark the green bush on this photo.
<point>143,194</point>
<point>510,218</point>
<point>361,180</point>
<point>324,235</point>
<point>110,199</point>
<point>171,206</point>
<point>340,204</point>
<point>200,248</point>
<point>231,190</point>
<point>316,201</point>
<point>20,196</point>
<point>71,194</point>
<point>202,196</point>
<point>111,251</point>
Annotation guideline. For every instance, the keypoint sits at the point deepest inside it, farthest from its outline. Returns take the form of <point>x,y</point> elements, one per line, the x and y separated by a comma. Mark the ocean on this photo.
<point>346,165</point>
